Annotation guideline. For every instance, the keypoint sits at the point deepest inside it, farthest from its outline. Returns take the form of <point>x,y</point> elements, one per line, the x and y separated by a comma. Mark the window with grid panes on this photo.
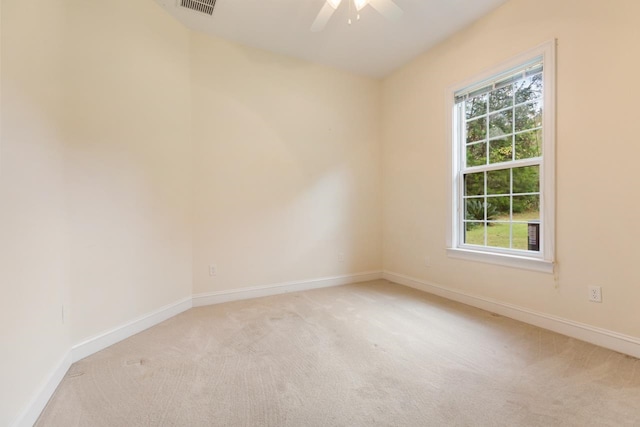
<point>499,133</point>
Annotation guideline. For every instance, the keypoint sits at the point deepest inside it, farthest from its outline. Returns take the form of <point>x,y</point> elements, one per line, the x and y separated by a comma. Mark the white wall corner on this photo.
<point>86,348</point>
<point>220,297</point>
<point>104,340</point>
<point>34,408</point>
<point>601,337</point>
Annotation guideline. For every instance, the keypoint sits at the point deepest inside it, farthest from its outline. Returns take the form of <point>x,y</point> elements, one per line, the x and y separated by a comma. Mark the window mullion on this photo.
<point>534,161</point>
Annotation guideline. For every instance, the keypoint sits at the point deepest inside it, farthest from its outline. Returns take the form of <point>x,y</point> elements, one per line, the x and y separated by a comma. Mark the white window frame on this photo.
<point>544,260</point>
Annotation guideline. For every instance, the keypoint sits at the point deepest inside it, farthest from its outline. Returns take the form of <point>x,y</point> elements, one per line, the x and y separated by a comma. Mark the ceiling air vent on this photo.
<point>202,6</point>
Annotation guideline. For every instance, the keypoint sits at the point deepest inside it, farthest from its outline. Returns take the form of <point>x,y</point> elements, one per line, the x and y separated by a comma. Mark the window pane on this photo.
<point>526,179</point>
<point>477,154</point>
<point>474,233</point>
<point>526,208</point>
<point>498,235</point>
<point>520,236</point>
<point>501,98</point>
<point>499,182</point>
<point>476,106</point>
<point>529,89</point>
<point>477,130</point>
<point>500,150</point>
<point>528,116</point>
<point>529,144</point>
<point>500,124</point>
<point>474,209</point>
<point>498,208</point>
<point>474,184</point>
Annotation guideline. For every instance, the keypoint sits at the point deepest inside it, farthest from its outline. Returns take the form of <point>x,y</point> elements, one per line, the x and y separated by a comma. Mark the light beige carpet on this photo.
<point>371,354</point>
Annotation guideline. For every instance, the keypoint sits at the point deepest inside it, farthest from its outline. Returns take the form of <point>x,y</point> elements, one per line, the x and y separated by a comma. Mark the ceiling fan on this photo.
<point>386,8</point>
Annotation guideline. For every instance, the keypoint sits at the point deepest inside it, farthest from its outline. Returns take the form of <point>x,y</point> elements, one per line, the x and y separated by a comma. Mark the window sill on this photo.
<point>513,261</point>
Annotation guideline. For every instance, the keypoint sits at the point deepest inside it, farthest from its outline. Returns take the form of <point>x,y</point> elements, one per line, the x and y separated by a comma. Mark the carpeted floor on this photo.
<point>371,354</point>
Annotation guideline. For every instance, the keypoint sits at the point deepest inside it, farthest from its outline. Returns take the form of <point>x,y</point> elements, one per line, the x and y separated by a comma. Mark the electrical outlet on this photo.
<point>213,270</point>
<point>341,257</point>
<point>427,262</point>
<point>595,293</point>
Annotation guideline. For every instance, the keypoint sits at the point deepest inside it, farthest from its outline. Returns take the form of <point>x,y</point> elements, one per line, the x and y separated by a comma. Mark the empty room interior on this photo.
<point>319,213</point>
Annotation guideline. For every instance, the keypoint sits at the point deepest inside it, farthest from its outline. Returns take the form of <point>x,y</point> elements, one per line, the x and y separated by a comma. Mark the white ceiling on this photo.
<point>373,46</point>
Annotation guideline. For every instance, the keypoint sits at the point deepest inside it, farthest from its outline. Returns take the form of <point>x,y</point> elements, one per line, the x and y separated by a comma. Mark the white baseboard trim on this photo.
<point>602,337</point>
<point>35,407</point>
<point>104,340</point>
<point>220,297</point>
<point>92,345</point>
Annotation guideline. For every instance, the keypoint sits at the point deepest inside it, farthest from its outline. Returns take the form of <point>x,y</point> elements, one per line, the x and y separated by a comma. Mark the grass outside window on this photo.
<point>498,231</point>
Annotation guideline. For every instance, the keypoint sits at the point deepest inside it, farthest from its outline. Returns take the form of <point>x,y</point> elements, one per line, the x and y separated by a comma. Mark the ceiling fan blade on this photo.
<point>387,8</point>
<point>323,17</point>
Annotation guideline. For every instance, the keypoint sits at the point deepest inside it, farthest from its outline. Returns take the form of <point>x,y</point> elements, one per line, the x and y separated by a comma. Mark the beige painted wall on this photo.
<point>597,226</point>
<point>129,162</point>
<point>34,274</point>
<point>95,178</point>
<point>287,168</point>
